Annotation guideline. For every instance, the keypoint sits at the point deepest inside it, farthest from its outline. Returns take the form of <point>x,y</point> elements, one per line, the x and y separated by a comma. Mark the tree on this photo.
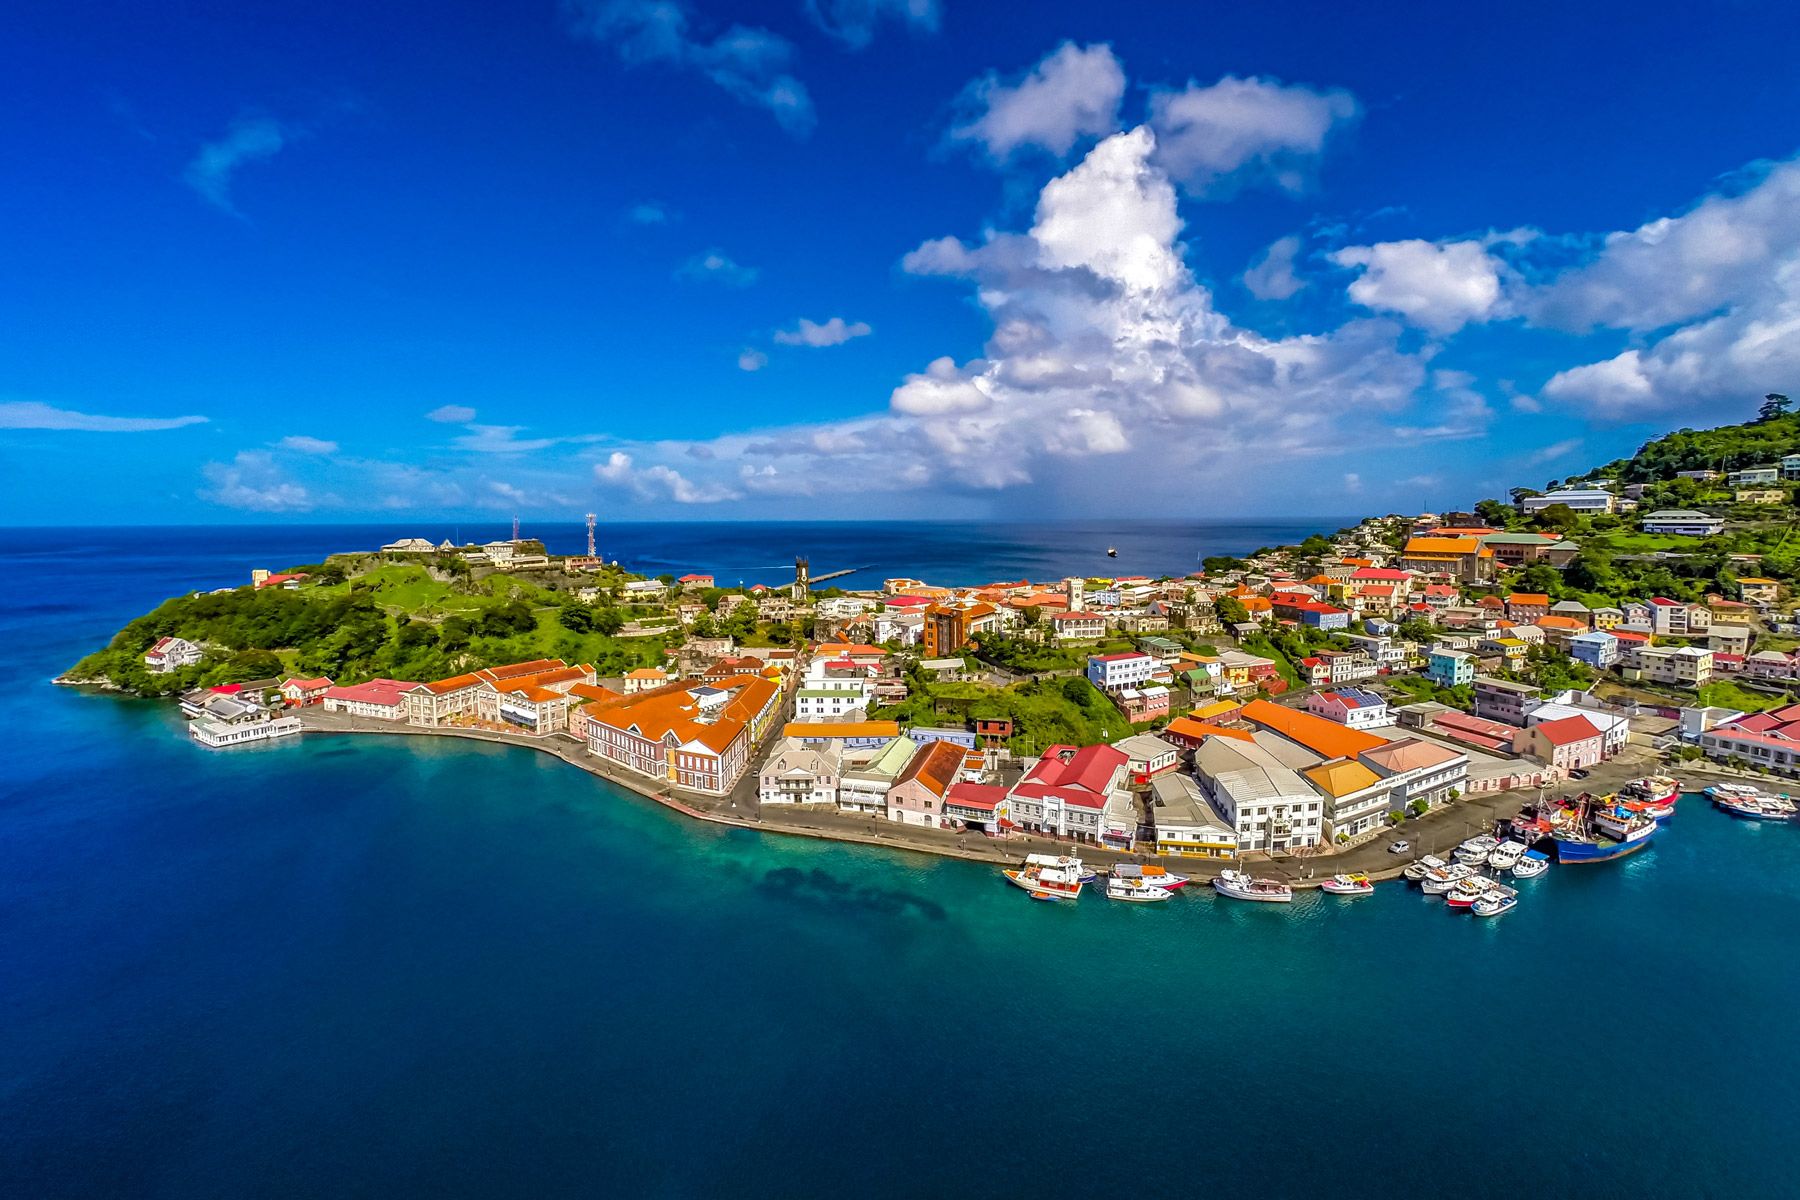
<point>1539,577</point>
<point>1493,512</point>
<point>1230,611</point>
<point>1218,564</point>
<point>1559,517</point>
<point>1774,405</point>
<point>576,618</point>
<point>1518,494</point>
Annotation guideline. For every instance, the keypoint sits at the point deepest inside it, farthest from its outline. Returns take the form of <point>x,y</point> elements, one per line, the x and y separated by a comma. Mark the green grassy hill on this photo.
<point>397,621</point>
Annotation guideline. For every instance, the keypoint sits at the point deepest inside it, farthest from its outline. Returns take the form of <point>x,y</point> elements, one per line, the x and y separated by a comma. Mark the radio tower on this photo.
<point>590,521</point>
<point>515,529</point>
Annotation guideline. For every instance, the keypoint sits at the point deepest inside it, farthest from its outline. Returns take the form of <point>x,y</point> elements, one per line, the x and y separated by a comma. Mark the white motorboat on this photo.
<point>1531,865</point>
<point>1476,849</point>
<point>1240,886</point>
<point>1506,855</point>
<point>1348,885</point>
<point>1159,876</point>
<point>1465,892</point>
<point>1415,871</point>
<point>1497,901</point>
<point>1439,880</point>
<point>1048,876</point>
<point>1136,891</point>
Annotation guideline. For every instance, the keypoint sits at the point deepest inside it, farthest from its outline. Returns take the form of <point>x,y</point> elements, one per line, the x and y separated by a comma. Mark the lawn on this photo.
<point>1726,694</point>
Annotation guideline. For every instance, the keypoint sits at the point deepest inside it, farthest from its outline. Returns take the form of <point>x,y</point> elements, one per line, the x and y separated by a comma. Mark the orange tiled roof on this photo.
<point>1317,734</point>
<point>654,715</point>
<point>1528,598</point>
<point>935,765</point>
<point>1457,546</point>
<point>1556,622</point>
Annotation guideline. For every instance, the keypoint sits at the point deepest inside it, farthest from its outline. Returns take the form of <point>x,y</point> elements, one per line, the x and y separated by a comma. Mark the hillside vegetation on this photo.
<point>399,622</point>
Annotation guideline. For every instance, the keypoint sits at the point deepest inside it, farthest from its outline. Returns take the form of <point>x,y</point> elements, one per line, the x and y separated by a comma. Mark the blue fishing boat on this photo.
<point>1602,834</point>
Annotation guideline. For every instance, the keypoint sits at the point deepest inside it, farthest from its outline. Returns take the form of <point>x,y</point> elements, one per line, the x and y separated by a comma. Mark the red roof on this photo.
<point>1567,731</point>
<point>1122,657</point>
<point>984,796</point>
<point>385,692</point>
<point>1089,768</point>
<point>1386,574</point>
<point>1076,616</point>
<point>1665,602</point>
<point>307,685</point>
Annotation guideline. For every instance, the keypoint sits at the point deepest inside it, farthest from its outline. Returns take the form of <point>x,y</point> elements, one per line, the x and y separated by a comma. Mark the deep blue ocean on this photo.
<point>363,967</point>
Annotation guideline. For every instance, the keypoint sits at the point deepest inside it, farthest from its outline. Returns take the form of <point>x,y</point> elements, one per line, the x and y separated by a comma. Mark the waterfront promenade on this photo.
<point>1436,832</point>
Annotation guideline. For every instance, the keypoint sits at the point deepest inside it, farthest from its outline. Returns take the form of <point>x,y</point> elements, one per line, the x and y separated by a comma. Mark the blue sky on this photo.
<point>851,258</point>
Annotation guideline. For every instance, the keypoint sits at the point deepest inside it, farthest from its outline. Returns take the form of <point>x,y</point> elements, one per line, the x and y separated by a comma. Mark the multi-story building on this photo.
<point>1078,626</point>
<point>1598,649</point>
<point>1678,666</point>
<point>1450,668</point>
<point>917,797</point>
<point>171,654</point>
<point>1503,700</point>
<point>869,773</point>
<point>1353,708</point>
<point>444,700</point>
<point>1182,821</point>
<point>1066,791</point>
<point>1768,741</point>
<point>695,736</point>
<point>1581,500</point>
<point>1567,743</point>
<point>1675,618</point>
<point>1267,804</point>
<point>1682,522</point>
<point>378,699</point>
<point>1110,672</point>
<point>795,773</point>
<point>832,690</point>
<point>950,624</point>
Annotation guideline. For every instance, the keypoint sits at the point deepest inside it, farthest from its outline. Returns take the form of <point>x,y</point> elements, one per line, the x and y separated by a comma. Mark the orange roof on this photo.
<point>1556,622</point>
<point>1528,598</point>
<point>655,715</point>
<point>1460,531</point>
<point>1442,545</point>
<point>840,729</point>
<point>594,691</point>
<point>647,673</point>
<point>935,765</point>
<point>1357,562</point>
<point>840,649</point>
<point>1257,604</point>
<point>1340,777</point>
<point>1317,734</point>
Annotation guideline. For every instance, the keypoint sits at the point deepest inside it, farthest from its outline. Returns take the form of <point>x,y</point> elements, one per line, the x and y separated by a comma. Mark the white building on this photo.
<point>1682,522</point>
<point>1354,708</point>
<point>1673,618</point>
<point>832,689</point>
<point>795,773</point>
<point>218,734</point>
<point>1581,500</point>
<point>171,654</point>
<point>1267,804</point>
<point>1680,666</point>
<point>1110,672</point>
<point>1615,728</point>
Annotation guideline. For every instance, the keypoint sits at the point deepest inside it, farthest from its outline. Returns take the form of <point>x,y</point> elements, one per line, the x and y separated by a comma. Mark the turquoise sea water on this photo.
<point>364,966</point>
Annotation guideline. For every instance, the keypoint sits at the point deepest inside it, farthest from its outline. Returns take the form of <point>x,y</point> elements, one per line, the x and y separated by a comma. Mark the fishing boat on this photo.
<point>1439,880</point>
<point>1239,886</point>
<point>1654,796</point>
<point>1048,876</point>
<point>1757,806</point>
<point>1533,864</point>
<point>1506,855</point>
<point>1415,871</point>
<point>1348,885</point>
<point>1601,831</point>
<point>1112,552</point>
<point>1136,891</point>
<point>1466,892</point>
<point>1475,850</point>
<point>1496,902</point>
<point>1159,876</point>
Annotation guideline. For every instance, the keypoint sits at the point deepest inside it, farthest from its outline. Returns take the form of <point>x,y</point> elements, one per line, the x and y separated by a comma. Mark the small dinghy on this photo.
<point>1348,885</point>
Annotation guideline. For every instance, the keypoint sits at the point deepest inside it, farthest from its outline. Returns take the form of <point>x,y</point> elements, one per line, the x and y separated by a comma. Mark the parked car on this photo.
<point>1399,847</point>
<point>1578,773</point>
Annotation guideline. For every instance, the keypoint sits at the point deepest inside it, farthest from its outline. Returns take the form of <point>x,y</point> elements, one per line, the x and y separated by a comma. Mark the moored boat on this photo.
<point>1476,849</point>
<point>1758,806</point>
<point>1506,855</point>
<point>1356,884</point>
<point>1495,902</point>
<point>1439,880</point>
<point>1415,871</point>
<point>1048,876</point>
<point>1609,834</point>
<point>1466,892</point>
<point>1239,886</point>
<point>1159,876</point>
<point>1531,865</point>
<point>1136,891</point>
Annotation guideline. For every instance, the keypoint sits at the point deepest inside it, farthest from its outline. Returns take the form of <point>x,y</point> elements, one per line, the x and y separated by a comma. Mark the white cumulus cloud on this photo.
<point>715,266</point>
<point>252,481</point>
<point>451,414</point>
<point>1246,130</point>
<point>1271,276</point>
<point>751,359</point>
<point>1073,93</point>
<point>1437,286</point>
<point>301,444</point>
<point>248,140</point>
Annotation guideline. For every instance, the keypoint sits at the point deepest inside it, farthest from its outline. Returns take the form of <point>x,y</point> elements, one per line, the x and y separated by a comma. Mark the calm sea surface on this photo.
<point>362,967</point>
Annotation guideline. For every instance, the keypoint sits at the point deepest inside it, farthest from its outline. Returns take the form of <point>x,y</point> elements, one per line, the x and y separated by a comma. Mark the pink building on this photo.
<point>917,797</point>
<point>301,692</point>
<point>1567,744</point>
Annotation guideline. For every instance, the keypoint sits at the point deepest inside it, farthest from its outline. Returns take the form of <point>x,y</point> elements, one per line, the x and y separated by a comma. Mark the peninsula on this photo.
<point>1407,675</point>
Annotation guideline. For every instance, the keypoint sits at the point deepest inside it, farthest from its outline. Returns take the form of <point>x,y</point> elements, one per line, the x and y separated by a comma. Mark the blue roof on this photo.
<point>1359,697</point>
